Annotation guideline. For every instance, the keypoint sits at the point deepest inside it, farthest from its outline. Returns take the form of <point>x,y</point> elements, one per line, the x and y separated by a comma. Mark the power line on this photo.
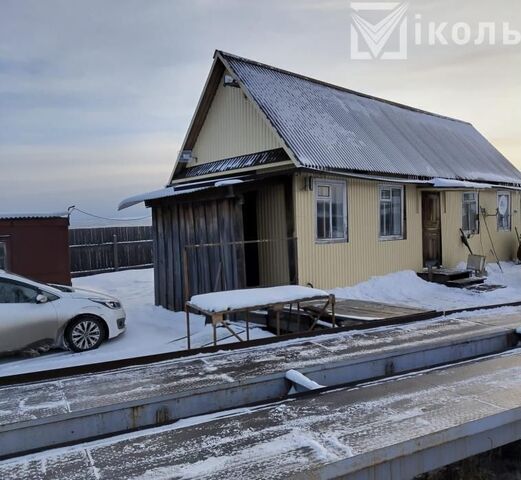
<point>128,219</point>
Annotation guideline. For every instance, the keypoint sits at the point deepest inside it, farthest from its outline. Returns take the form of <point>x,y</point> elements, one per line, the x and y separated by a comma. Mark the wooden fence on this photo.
<point>105,249</point>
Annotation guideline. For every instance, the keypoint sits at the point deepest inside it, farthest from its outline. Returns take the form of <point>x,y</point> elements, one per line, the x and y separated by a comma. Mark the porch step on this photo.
<point>445,275</point>
<point>465,282</point>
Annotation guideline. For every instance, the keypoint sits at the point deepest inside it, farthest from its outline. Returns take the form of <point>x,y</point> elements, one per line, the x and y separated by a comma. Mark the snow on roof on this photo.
<point>326,126</point>
<point>172,191</point>
<point>253,297</point>
<point>141,197</point>
<point>12,216</point>
<point>157,194</point>
<point>228,182</point>
<point>449,183</point>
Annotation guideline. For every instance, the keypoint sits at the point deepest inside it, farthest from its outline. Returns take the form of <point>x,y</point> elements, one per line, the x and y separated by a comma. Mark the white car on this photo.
<point>35,316</point>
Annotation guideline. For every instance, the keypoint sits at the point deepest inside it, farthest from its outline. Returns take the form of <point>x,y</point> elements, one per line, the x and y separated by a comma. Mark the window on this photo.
<point>470,213</point>
<point>503,211</point>
<point>11,292</point>
<point>3,255</point>
<point>391,212</point>
<point>331,211</point>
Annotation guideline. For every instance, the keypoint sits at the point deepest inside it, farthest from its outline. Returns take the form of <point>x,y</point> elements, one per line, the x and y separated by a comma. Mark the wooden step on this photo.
<point>465,282</point>
<point>444,275</point>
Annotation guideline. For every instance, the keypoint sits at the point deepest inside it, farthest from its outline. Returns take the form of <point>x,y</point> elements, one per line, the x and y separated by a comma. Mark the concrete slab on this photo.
<point>353,432</point>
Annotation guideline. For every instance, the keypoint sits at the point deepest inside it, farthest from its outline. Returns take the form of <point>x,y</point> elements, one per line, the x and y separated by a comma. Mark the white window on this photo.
<point>330,210</point>
<point>470,212</point>
<point>391,212</point>
<point>503,210</point>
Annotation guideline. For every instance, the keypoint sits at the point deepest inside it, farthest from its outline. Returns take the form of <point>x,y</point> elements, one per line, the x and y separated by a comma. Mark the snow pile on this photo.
<point>254,297</point>
<point>298,378</point>
<point>406,288</point>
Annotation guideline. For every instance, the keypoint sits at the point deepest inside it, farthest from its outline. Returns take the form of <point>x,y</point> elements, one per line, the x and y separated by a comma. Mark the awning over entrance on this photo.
<point>177,191</point>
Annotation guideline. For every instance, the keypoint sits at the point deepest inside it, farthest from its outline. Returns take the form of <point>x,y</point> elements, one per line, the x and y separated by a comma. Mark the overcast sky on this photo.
<point>96,95</point>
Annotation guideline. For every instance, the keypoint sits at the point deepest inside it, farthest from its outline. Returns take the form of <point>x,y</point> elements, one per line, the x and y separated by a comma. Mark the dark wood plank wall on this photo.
<point>290,230</point>
<point>103,249</point>
<point>178,224</point>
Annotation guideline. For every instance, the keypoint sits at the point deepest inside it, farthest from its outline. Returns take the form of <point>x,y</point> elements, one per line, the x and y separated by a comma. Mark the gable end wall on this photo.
<point>232,127</point>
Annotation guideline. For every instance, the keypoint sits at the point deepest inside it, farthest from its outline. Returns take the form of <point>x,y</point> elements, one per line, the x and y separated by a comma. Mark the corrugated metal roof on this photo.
<point>329,127</point>
<point>243,161</point>
<point>17,216</point>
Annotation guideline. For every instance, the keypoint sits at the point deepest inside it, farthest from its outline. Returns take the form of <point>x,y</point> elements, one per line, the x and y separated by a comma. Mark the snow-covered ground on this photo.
<point>152,329</point>
<point>406,288</point>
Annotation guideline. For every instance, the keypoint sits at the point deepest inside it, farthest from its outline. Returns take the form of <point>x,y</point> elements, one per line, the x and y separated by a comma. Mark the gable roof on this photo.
<point>327,127</point>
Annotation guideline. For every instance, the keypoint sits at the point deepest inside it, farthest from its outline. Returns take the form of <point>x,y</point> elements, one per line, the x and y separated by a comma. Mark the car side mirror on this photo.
<point>41,298</point>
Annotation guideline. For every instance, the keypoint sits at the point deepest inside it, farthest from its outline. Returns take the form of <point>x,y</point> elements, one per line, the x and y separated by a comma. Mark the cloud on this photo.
<point>96,95</point>
<point>93,177</point>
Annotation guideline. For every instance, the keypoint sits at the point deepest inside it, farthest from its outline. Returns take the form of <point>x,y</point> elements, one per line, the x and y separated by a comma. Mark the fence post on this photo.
<point>115,249</point>
<point>186,275</point>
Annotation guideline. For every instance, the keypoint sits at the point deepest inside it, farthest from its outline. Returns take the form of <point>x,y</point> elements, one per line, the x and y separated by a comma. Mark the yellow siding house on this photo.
<point>286,179</point>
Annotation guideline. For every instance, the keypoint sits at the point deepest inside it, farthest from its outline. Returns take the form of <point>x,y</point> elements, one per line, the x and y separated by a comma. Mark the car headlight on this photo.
<point>107,303</point>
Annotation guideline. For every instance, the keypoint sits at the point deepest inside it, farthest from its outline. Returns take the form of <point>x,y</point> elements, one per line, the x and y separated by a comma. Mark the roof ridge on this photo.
<point>338,87</point>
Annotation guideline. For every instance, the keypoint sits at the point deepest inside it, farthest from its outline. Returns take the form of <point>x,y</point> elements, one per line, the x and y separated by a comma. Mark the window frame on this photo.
<point>390,186</point>
<point>317,182</point>
<point>509,214</point>
<point>474,231</point>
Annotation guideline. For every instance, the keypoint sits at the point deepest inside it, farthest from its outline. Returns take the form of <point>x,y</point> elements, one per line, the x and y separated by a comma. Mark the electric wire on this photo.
<point>126,219</point>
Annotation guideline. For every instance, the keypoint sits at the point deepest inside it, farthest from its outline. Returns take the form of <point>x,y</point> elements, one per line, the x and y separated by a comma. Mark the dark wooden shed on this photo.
<point>222,238</point>
<point>36,246</point>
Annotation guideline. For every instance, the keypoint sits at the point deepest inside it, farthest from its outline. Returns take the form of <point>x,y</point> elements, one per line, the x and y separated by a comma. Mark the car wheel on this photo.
<point>85,333</point>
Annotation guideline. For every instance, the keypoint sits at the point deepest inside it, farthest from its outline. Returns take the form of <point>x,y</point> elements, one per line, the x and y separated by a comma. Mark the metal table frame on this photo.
<point>219,317</point>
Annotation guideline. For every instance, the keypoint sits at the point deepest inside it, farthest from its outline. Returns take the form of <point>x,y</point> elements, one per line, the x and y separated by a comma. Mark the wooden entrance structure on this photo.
<point>208,240</point>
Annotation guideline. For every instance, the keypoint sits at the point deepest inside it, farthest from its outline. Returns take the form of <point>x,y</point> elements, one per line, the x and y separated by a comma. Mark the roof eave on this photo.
<point>201,110</point>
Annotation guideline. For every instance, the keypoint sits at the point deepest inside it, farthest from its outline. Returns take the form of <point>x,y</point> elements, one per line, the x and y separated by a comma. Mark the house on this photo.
<point>36,246</point>
<point>283,178</point>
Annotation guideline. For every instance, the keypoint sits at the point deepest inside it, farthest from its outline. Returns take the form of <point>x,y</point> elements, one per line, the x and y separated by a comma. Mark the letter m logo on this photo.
<point>377,33</point>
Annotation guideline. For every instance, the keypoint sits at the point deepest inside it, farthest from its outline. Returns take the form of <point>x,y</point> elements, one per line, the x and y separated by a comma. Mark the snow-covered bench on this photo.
<point>217,305</point>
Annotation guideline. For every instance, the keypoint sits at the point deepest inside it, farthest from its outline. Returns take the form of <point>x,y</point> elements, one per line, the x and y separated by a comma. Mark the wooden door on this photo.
<point>431,227</point>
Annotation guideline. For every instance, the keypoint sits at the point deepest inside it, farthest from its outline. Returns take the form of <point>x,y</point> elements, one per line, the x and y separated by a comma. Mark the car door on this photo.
<point>23,320</point>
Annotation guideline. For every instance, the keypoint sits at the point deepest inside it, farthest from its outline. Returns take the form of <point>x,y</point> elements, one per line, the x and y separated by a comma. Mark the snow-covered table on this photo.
<point>217,305</point>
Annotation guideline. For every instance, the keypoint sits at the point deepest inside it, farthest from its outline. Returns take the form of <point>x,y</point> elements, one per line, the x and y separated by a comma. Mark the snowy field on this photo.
<point>152,329</point>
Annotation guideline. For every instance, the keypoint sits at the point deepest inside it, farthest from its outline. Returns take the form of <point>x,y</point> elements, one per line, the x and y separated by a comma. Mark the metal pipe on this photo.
<point>187,326</point>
